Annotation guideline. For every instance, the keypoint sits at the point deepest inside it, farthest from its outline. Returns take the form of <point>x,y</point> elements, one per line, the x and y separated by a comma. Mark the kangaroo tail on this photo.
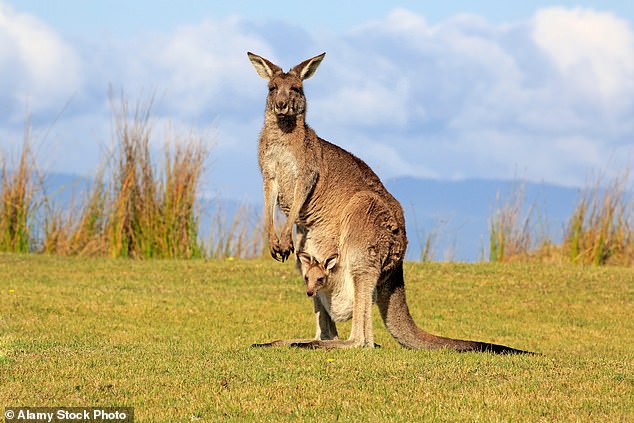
<point>398,320</point>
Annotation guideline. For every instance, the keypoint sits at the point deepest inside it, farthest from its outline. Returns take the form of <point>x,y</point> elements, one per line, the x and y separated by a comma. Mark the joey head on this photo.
<point>315,273</point>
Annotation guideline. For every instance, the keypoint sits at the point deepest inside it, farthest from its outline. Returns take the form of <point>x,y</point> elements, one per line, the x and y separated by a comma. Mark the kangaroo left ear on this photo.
<point>307,68</point>
<point>305,258</point>
<point>263,67</point>
<point>330,262</point>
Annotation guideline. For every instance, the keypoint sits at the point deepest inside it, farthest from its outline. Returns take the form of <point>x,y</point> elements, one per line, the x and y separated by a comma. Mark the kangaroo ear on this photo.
<point>305,258</point>
<point>263,67</point>
<point>330,262</point>
<point>307,68</point>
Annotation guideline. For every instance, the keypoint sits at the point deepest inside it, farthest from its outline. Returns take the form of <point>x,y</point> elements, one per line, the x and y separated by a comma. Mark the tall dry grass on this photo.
<point>178,199</point>
<point>153,214</point>
<point>600,230</point>
<point>133,209</point>
<point>17,200</point>
<point>79,230</point>
<point>243,237</point>
<point>510,234</point>
<point>137,206</point>
<point>428,245</point>
<point>426,239</point>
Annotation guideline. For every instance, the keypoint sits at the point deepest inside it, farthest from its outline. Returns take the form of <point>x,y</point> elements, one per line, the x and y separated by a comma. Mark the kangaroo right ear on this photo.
<point>263,67</point>
<point>330,262</point>
<point>307,68</point>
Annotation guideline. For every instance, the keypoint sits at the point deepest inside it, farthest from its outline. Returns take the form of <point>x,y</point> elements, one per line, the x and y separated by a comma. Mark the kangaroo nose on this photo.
<point>310,292</point>
<point>281,106</point>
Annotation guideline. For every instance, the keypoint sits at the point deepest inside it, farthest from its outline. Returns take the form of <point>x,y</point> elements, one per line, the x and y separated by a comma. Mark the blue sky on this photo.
<point>130,17</point>
<point>443,90</point>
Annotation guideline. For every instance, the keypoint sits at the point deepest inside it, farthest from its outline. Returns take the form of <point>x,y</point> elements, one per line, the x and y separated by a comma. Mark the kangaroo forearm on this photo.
<point>270,201</point>
<point>292,219</point>
<point>303,186</point>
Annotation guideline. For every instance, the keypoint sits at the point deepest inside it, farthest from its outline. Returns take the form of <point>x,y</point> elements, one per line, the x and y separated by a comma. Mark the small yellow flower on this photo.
<point>330,360</point>
<point>11,291</point>
<point>230,258</point>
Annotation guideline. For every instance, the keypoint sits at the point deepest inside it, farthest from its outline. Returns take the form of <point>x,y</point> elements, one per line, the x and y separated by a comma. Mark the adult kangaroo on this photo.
<point>338,204</point>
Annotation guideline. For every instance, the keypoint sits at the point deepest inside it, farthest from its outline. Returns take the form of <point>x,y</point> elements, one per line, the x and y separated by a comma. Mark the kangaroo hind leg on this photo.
<point>326,329</point>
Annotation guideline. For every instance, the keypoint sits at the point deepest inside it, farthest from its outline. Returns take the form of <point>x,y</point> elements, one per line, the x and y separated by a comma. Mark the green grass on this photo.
<point>171,338</point>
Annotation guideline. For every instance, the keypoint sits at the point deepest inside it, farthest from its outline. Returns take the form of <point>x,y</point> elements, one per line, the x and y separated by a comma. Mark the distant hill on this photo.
<point>64,188</point>
<point>460,212</point>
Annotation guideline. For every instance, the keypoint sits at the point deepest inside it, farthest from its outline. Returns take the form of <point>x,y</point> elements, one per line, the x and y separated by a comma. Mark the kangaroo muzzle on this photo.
<point>282,107</point>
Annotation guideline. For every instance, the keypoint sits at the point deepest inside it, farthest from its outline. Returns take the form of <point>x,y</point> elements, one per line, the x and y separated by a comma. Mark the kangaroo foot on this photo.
<point>282,343</point>
<point>313,344</point>
<point>331,344</point>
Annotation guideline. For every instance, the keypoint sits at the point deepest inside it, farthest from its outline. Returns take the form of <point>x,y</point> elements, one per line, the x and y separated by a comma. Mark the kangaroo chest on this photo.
<point>338,299</point>
<point>278,163</point>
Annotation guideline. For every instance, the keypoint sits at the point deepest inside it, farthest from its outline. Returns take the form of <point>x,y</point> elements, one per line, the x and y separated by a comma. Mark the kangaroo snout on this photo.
<point>310,292</point>
<point>281,107</point>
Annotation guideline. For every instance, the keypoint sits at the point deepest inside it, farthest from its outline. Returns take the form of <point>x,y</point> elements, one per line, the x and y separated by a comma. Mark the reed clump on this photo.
<point>242,236</point>
<point>600,229</point>
<point>17,200</point>
<point>510,236</point>
<point>133,209</point>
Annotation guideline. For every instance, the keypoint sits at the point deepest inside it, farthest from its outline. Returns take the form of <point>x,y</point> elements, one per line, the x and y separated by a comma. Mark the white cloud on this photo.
<point>399,23</point>
<point>373,104</point>
<point>389,162</point>
<point>471,99</point>
<point>206,66</point>
<point>592,50</point>
<point>37,67</point>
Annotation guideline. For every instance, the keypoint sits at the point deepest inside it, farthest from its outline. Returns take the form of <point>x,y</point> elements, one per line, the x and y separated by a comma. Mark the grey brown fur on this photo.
<point>337,204</point>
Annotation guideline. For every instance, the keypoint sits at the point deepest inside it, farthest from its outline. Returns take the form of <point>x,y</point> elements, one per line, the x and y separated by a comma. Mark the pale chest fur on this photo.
<point>278,163</point>
<point>338,299</point>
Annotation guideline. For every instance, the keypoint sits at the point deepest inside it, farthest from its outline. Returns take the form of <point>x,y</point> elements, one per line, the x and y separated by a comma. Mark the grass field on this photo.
<point>171,339</point>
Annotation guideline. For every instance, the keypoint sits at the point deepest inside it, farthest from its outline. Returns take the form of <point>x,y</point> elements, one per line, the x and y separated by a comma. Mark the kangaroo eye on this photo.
<point>297,90</point>
<point>272,88</point>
